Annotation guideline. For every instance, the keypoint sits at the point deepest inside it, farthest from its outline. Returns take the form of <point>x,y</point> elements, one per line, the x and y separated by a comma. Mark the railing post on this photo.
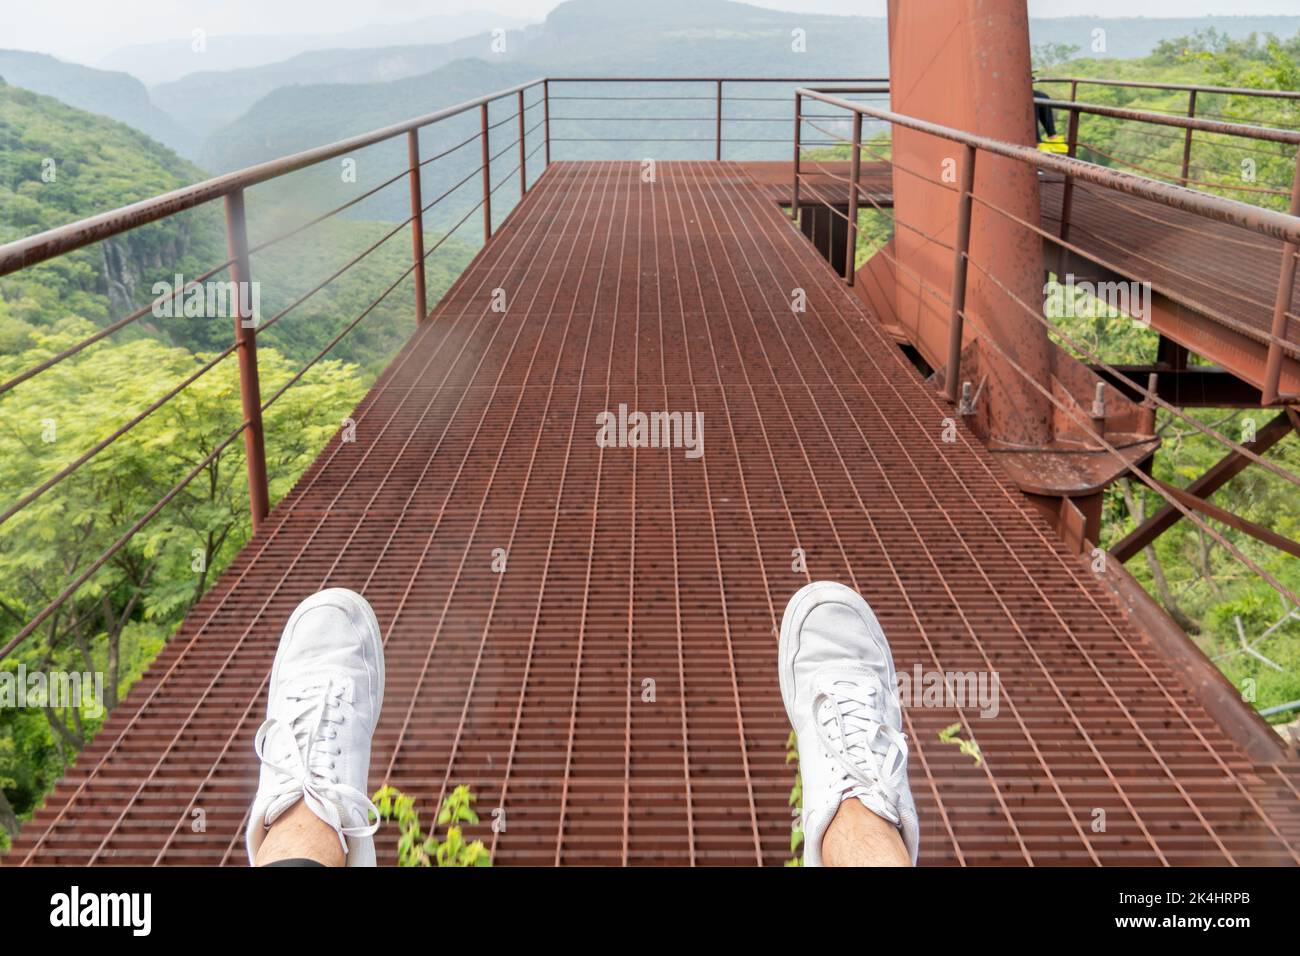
<point>417,224</point>
<point>717,132</point>
<point>523,151</point>
<point>487,172</point>
<point>546,118</point>
<point>961,247</point>
<point>1067,188</point>
<point>250,392</point>
<point>855,170</point>
<point>1282,303</point>
<point>798,123</point>
<point>1187,140</point>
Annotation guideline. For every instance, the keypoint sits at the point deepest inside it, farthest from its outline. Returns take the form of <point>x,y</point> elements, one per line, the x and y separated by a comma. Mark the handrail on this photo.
<point>1178,87</point>
<point>715,79</point>
<point>231,187</point>
<point>43,246</point>
<point>1245,130</point>
<point>1264,221</point>
<point>1286,227</point>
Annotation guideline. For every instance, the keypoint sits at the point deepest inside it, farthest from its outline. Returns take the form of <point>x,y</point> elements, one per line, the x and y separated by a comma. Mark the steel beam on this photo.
<point>1215,478</point>
<point>1201,386</point>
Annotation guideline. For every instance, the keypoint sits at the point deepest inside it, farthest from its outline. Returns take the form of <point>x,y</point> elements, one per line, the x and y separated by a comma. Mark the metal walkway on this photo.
<point>1228,274</point>
<point>633,565</point>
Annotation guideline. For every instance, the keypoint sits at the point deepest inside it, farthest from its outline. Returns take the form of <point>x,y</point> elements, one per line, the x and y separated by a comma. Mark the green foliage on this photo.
<point>58,165</point>
<point>1045,55</point>
<point>414,848</point>
<point>969,747</point>
<point>117,621</point>
<point>1247,170</point>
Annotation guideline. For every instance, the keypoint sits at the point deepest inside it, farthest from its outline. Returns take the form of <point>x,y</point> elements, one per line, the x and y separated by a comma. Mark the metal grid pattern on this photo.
<point>626,565</point>
<point>1222,269</point>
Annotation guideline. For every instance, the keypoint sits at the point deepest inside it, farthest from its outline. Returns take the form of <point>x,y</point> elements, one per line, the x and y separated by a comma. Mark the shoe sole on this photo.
<point>355,605</point>
<point>800,606</point>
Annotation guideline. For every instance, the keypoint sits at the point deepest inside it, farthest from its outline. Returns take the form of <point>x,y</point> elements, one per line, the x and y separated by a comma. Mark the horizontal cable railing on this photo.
<point>964,326</point>
<point>231,188</point>
<point>1191,157</point>
<point>711,124</point>
<point>527,130</point>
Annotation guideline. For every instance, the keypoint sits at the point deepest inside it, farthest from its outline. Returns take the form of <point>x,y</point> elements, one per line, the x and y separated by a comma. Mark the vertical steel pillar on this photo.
<point>487,172</point>
<point>855,172</point>
<point>546,118</point>
<point>798,124</point>
<point>417,224</point>
<point>717,129</point>
<point>523,151</point>
<point>1187,140</point>
<point>250,393</point>
<point>1067,188</point>
<point>1282,302</point>
<point>957,299</point>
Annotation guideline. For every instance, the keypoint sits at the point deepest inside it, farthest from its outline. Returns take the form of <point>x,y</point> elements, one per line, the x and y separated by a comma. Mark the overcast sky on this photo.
<point>87,29</point>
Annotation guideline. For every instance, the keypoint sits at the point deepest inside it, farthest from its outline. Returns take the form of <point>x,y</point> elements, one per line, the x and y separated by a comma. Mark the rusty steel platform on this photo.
<point>626,566</point>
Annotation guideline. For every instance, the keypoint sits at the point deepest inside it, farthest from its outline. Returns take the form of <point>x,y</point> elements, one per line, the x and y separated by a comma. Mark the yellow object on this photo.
<point>1054,144</point>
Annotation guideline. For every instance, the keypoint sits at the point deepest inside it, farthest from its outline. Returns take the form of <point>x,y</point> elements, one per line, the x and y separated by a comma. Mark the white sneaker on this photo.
<point>839,688</point>
<point>327,686</point>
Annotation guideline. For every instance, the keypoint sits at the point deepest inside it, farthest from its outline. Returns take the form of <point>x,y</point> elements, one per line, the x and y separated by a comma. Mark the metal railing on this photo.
<point>1265,222</point>
<point>718,91</point>
<point>231,190</point>
<point>1250,127</point>
<point>712,97</point>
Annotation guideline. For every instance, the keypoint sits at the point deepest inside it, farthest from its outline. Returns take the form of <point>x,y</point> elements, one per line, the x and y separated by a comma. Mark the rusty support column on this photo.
<point>250,392</point>
<point>1187,140</point>
<point>798,123</point>
<point>855,172</point>
<point>961,248</point>
<point>546,118</point>
<point>523,151</point>
<point>1282,302</point>
<point>417,224</point>
<point>717,132</point>
<point>974,75</point>
<point>487,172</point>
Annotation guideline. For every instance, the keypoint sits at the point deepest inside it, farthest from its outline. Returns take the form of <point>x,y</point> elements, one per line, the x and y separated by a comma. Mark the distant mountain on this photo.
<point>294,118</point>
<point>170,60</point>
<point>206,101</point>
<point>117,95</point>
<point>606,37</point>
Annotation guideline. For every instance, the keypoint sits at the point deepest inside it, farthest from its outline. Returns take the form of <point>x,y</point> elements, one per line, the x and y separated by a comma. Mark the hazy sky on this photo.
<point>87,29</point>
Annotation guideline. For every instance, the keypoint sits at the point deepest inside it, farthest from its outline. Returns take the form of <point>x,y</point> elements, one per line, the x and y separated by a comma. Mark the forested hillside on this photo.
<point>57,165</point>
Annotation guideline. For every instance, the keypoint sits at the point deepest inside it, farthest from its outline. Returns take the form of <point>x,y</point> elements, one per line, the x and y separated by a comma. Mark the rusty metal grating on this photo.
<point>632,564</point>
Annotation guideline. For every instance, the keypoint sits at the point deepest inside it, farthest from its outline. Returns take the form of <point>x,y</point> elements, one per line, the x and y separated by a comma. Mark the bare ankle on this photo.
<point>298,834</point>
<point>858,837</point>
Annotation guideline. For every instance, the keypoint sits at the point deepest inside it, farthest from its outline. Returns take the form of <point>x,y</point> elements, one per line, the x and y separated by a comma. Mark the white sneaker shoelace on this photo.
<point>302,754</point>
<point>853,729</point>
